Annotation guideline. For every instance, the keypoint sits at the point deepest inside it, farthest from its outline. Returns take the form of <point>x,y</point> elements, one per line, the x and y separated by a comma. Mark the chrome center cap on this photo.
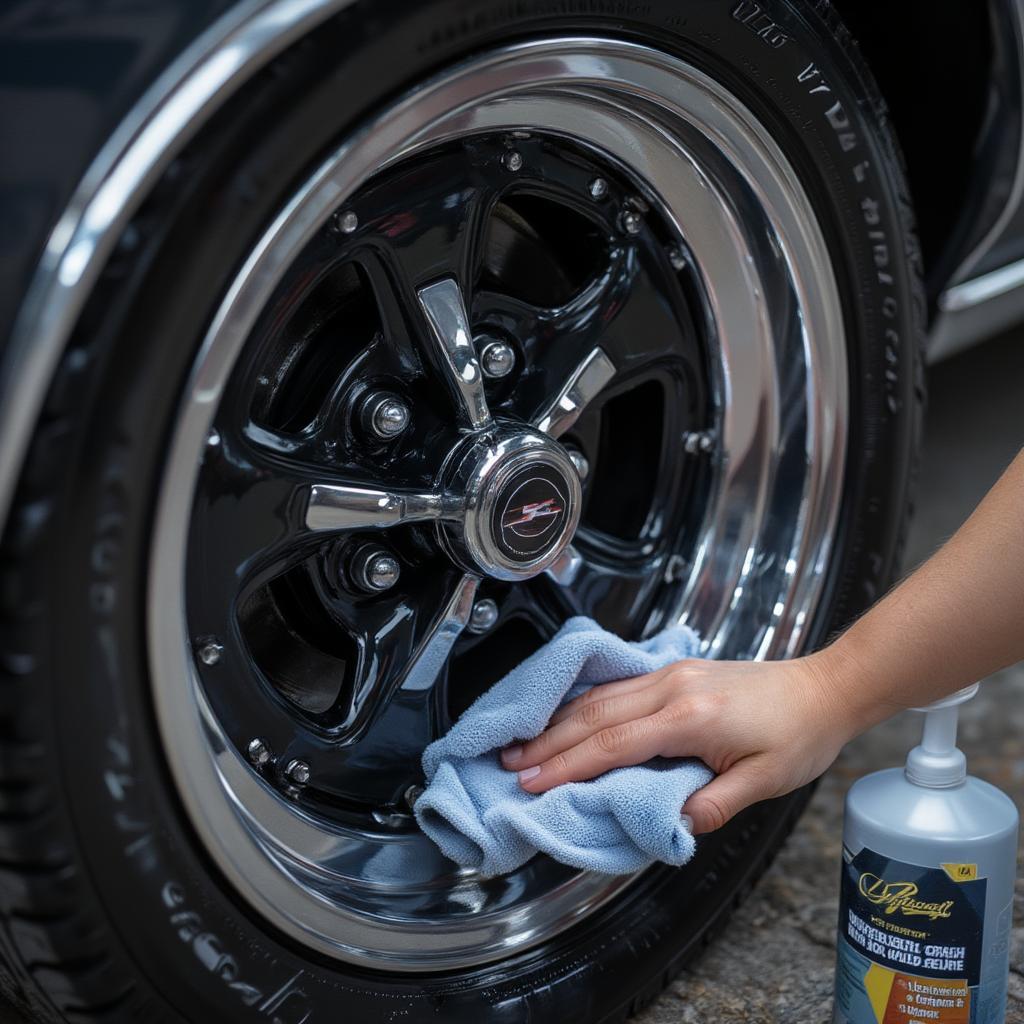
<point>522,503</point>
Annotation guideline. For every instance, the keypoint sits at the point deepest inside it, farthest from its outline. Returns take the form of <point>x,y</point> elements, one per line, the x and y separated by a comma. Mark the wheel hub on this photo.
<point>522,504</point>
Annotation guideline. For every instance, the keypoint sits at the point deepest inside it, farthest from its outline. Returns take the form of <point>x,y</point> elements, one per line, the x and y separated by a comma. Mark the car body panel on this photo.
<point>70,73</point>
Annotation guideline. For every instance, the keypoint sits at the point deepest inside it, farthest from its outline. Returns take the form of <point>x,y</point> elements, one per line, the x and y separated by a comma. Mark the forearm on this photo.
<point>958,617</point>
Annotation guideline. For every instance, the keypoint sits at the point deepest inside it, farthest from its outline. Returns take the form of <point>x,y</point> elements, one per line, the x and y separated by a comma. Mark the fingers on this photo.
<point>588,718</point>
<point>603,692</point>
<point>628,743</point>
<point>725,796</point>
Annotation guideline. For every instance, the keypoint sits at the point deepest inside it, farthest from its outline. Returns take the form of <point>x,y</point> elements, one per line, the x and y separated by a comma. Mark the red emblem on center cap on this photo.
<point>527,513</point>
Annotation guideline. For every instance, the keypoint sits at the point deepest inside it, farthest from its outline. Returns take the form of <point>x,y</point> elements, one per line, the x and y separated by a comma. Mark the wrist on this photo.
<point>853,690</point>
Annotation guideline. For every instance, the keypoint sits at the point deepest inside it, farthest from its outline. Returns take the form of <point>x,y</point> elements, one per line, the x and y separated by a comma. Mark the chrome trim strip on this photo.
<point>587,381</point>
<point>170,113</point>
<point>982,289</point>
<point>338,507</point>
<point>976,310</point>
<point>428,661</point>
<point>957,329</point>
<point>445,310</point>
<point>566,567</point>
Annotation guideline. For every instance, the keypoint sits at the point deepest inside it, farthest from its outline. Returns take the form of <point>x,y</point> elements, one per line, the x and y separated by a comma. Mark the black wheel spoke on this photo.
<point>421,268</point>
<point>254,510</point>
<point>430,223</point>
<point>615,585</point>
<point>403,645</point>
<point>547,607</point>
<point>645,315</point>
<point>628,323</point>
<point>269,512</point>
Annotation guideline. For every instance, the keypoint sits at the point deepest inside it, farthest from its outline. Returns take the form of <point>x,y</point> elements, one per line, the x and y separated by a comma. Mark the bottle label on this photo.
<point>910,942</point>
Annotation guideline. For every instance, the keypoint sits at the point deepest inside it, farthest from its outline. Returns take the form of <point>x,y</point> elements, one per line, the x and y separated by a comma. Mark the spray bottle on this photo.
<point>926,893</point>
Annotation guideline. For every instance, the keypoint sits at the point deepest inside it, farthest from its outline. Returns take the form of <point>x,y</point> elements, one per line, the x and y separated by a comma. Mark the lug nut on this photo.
<point>513,160</point>
<point>675,569</point>
<point>259,752</point>
<point>411,795</point>
<point>698,441</point>
<point>297,772</point>
<point>497,358</point>
<point>346,222</point>
<point>579,460</point>
<point>484,616</point>
<point>209,652</point>
<point>384,415</point>
<point>676,257</point>
<point>598,188</point>
<point>374,569</point>
<point>382,572</point>
<point>632,222</point>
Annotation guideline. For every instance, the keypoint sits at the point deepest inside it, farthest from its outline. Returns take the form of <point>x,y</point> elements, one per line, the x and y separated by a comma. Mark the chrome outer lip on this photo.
<point>715,172</point>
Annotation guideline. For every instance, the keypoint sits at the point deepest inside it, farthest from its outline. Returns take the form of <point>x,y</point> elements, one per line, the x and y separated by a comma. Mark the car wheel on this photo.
<point>444,326</point>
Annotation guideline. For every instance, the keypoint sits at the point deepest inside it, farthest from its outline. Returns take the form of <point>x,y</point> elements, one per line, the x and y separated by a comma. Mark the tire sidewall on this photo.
<point>202,952</point>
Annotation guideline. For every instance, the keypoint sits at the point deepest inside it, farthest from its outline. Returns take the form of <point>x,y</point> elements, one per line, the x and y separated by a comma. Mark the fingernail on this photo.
<point>687,822</point>
<point>529,773</point>
<point>512,754</point>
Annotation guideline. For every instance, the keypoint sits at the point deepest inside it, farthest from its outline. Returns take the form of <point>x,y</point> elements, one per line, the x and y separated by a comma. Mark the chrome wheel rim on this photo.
<point>776,443</point>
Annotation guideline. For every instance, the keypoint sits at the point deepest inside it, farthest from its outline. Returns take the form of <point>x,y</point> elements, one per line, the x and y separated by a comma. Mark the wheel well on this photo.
<point>933,64</point>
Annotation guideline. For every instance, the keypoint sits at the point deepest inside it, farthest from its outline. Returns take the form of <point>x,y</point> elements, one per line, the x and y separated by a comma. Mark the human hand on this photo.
<point>765,728</point>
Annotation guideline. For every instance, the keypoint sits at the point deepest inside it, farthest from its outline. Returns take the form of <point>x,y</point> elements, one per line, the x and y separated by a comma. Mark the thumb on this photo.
<point>724,797</point>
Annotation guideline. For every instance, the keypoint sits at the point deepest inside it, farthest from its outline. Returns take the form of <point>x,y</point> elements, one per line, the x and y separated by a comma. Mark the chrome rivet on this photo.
<point>497,359</point>
<point>259,752</point>
<point>297,772</point>
<point>346,222</point>
<point>411,795</point>
<point>632,222</point>
<point>698,442</point>
<point>598,188</point>
<point>484,616</point>
<point>676,257</point>
<point>579,460</point>
<point>213,439</point>
<point>209,652</point>
<point>513,160</point>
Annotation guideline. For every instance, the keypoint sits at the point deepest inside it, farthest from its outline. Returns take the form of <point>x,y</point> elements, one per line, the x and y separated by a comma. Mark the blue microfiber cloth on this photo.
<point>620,822</point>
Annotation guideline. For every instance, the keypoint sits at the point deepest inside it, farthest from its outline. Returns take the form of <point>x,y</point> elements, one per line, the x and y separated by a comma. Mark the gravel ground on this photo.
<point>774,962</point>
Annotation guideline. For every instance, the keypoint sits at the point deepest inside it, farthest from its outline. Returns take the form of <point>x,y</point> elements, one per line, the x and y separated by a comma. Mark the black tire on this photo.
<point>110,909</point>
